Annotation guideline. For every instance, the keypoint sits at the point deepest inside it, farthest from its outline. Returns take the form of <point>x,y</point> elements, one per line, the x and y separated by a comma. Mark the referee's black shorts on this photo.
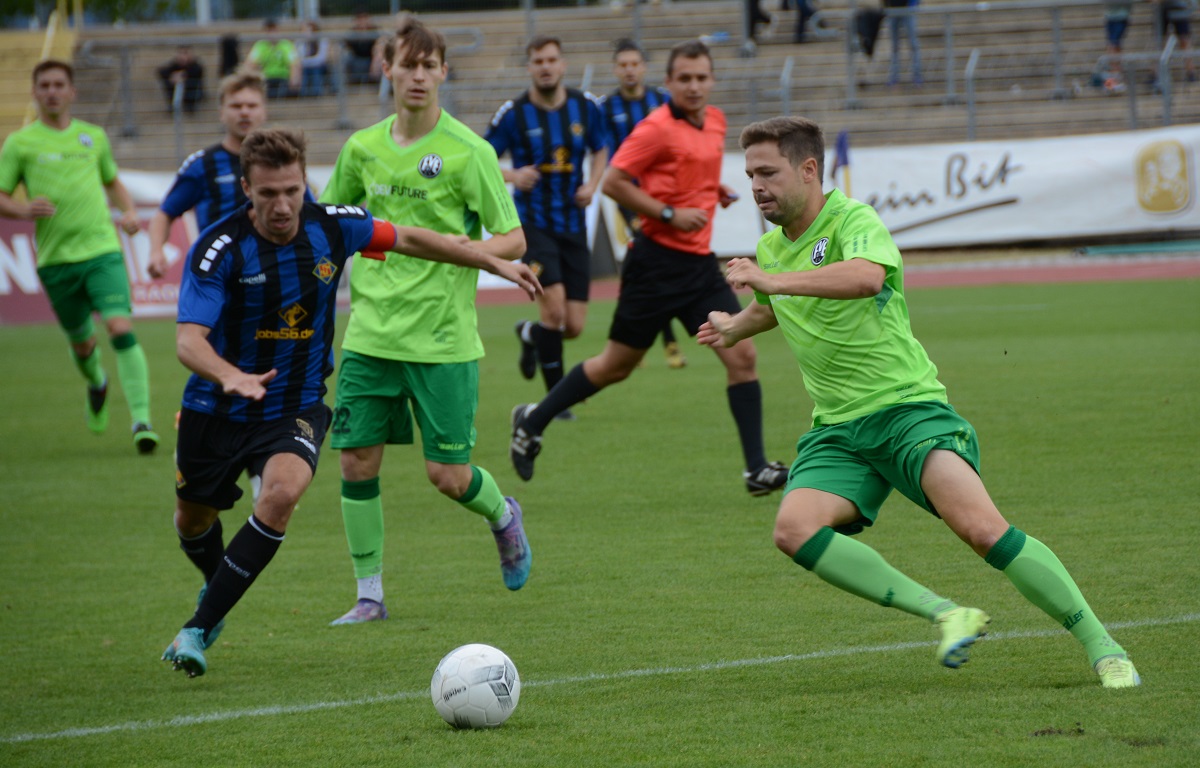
<point>211,452</point>
<point>660,283</point>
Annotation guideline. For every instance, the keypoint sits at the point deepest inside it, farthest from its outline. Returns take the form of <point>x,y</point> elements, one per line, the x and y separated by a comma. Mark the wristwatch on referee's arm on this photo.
<point>666,215</point>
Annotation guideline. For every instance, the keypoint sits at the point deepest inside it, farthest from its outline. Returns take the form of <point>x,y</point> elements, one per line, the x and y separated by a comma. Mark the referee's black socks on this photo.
<point>574,388</point>
<point>745,401</point>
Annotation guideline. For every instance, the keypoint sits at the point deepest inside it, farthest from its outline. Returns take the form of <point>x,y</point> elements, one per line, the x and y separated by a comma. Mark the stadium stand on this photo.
<point>1016,91</point>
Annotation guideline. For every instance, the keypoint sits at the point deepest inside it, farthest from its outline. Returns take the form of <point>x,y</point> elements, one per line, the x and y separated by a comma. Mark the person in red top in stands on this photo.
<point>668,171</point>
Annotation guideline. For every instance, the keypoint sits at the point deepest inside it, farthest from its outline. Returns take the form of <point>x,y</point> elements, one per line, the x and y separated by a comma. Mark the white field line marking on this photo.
<point>297,709</point>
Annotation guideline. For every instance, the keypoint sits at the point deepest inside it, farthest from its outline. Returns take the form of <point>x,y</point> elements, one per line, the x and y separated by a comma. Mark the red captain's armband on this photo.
<point>383,239</point>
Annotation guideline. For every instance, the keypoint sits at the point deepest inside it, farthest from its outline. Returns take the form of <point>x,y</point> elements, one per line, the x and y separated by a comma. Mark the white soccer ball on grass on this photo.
<point>475,686</point>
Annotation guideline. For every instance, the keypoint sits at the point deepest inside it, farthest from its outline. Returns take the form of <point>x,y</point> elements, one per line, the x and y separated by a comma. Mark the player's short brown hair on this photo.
<point>541,41</point>
<point>273,148</point>
<point>49,64</point>
<point>798,138</point>
<point>692,49</point>
<point>240,81</point>
<point>419,40</point>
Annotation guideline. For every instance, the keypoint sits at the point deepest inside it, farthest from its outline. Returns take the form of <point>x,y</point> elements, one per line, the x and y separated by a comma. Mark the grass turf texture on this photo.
<point>651,630</point>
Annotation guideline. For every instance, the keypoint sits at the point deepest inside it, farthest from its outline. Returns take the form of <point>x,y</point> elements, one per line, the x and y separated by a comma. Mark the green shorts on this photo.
<point>377,399</point>
<point>864,459</point>
<point>77,290</point>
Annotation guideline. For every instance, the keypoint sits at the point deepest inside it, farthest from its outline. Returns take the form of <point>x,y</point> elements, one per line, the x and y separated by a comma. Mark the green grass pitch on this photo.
<point>659,626</point>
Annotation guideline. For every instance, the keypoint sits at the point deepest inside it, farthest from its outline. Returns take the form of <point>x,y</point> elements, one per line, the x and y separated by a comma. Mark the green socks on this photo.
<point>362,515</point>
<point>483,496</point>
<point>90,367</point>
<point>134,375</point>
<point>856,568</point>
<point>1039,575</point>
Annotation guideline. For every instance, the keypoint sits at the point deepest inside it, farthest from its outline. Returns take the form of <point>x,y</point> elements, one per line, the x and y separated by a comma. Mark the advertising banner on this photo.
<point>1082,188</point>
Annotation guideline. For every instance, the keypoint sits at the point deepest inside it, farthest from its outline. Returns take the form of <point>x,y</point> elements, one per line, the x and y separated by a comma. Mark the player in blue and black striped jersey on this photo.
<point>210,180</point>
<point>623,109</point>
<point>256,327</point>
<point>548,132</point>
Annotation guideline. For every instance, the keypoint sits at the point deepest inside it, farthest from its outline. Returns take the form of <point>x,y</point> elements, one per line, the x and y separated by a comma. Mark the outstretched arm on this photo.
<point>427,244</point>
<point>851,279</point>
<point>160,228</point>
<point>195,352</point>
<point>725,330</point>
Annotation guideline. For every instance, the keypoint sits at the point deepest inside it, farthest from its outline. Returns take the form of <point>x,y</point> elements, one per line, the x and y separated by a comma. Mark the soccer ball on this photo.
<point>475,686</point>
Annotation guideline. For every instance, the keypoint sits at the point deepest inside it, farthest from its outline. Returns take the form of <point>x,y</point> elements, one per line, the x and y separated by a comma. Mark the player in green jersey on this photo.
<point>832,279</point>
<point>68,170</point>
<point>412,346</point>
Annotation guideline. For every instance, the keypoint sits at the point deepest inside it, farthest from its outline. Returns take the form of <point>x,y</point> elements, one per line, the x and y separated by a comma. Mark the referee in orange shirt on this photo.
<point>669,272</point>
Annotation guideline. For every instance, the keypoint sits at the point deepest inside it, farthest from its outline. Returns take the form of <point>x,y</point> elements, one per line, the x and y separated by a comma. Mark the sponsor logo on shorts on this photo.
<point>305,428</point>
<point>325,270</point>
<point>430,166</point>
<point>818,251</point>
<point>536,268</point>
<point>180,482</point>
<point>292,317</point>
<point>306,443</point>
<point>451,446</point>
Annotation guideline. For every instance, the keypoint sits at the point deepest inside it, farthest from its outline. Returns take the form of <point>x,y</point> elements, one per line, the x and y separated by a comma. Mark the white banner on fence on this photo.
<point>1083,188</point>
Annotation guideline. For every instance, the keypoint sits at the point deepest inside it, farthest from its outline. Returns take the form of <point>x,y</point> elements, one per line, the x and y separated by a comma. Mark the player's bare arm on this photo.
<point>38,208</point>
<point>585,193</point>
<point>159,229</point>
<point>427,244</point>
<point>724,330</point>
<point>524,178</point>
<point>620,186</point>
<point>197,354</point>
<point>850,279</point>
<point>509,246</point>
<point>123,201</point>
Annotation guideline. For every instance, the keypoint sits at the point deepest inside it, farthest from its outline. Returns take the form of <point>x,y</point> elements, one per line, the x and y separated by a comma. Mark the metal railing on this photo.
<point>829,23</point>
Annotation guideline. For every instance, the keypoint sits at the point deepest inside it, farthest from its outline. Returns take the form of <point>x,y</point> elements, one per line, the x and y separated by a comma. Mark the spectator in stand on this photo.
<point>902,17</point>
<point>230,58</point>
<point>1176,14</point>
<point>183,68</point>
<point>361,63</point>
<point>278,60</point>
<point>1116,21</point>
<point>314,60</point>
<point>804,12</point>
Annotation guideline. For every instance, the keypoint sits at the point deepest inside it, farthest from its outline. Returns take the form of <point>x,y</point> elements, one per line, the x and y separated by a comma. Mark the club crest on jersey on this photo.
<point>818,252</point>
<point>86,140</point>
<point>325,270</point>
<point>430,166</point>
<point>576,129</point>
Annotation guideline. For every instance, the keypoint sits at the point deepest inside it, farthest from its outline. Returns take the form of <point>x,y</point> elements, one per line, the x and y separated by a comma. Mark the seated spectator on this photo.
<point>278,61</point>
<point>185,69</point>
<point>314,61</point>
<point>362,65</point>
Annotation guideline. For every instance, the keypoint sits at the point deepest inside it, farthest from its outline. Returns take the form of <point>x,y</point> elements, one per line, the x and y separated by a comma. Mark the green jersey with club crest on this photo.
<point>449,181</point>
<point>859,355</point>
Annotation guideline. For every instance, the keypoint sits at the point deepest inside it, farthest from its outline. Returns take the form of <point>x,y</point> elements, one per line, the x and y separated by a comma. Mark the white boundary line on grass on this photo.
<point>297,709</point>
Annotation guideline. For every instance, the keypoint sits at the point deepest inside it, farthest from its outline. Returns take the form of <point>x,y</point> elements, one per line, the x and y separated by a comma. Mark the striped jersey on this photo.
<point>270,306</point>
<point>556,143</point>
<point>621,114</point>
<point>210,181</point>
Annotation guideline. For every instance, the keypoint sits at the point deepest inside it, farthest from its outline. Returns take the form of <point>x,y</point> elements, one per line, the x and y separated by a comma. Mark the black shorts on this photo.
<point>560,257</point>
<point>660,283</point>
<point>212,452</point>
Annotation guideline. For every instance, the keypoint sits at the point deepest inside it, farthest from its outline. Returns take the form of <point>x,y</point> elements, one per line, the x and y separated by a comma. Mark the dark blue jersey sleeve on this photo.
<point>500,131</point>
<point>188,189</point>
<point>358,226</point>
<point>203,291</point>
